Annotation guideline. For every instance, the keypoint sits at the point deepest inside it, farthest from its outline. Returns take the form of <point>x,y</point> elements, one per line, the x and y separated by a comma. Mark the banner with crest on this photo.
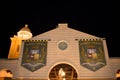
<point>92,54</point>
<point>34,54</point>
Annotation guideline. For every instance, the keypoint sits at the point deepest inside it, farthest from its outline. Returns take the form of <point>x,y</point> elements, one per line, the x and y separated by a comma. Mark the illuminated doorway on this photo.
<point>118,74</point>
<point>63,72</point>
<point>6,74</point>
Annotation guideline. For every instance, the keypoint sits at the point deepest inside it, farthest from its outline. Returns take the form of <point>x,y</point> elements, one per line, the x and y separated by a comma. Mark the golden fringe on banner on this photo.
<point>95,39</point>
<point>36,40</point>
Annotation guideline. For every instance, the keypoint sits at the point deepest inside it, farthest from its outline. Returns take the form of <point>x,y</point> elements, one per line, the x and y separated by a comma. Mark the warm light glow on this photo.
<point>26,25</point>
<point>3,73</point>
<point>61,72</point>
<point>118,75</point>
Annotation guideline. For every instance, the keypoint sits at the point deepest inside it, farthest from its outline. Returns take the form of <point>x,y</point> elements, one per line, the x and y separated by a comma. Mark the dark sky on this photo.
<point>90,16</point>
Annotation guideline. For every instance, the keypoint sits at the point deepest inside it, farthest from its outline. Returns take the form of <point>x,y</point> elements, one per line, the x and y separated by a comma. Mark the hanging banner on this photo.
<point>34,55</point>
<point>92,54</point>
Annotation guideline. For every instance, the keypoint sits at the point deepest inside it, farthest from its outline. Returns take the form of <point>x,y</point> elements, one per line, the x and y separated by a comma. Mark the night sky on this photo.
<point>90,16</point>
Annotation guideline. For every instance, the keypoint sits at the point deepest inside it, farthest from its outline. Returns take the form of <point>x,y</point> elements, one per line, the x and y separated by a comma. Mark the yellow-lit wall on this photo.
<point>14,51</point>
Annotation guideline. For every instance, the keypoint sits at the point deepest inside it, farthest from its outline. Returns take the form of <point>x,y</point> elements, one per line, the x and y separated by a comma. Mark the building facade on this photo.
<point>62,53</point>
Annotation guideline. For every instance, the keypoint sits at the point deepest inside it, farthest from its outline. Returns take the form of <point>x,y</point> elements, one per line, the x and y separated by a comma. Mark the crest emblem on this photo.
<point>92,54</point>
<point>34,54</point>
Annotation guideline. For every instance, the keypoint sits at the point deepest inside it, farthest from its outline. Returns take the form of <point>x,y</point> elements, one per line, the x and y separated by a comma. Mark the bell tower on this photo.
<point>16,41</point>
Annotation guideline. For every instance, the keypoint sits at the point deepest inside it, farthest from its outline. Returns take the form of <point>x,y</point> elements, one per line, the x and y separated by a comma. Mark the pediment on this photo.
<point>63,31</point>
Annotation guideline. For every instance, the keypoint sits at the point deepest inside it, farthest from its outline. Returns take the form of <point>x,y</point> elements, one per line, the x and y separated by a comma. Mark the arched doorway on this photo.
<point>118,74</point>
<point>63,72</point>
<point>6,74</point>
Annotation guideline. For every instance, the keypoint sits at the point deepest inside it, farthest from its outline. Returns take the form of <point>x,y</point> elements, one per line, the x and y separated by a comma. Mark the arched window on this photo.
<point>63,72</point>
<point>118,74</point>
<point>6,74</point>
